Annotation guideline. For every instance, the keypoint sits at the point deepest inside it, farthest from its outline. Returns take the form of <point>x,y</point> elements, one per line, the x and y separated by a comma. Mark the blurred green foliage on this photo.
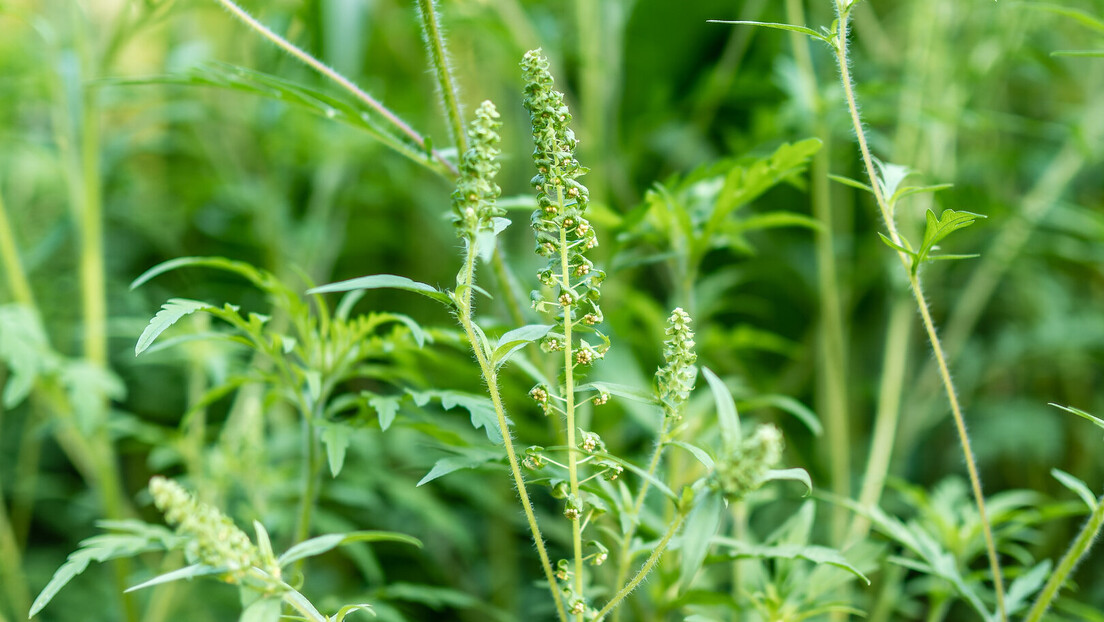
<point>119,154</point>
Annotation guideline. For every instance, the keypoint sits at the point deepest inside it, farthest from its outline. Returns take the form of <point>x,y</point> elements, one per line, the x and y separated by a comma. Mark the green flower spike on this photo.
<point>559,221</point>
<point>215,539</point>
<point>676,379</point>
<point>473,201</point>
<point>745,470</point>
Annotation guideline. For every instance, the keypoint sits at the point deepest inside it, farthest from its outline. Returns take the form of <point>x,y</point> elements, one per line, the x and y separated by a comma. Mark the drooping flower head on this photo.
<point>473,201</point>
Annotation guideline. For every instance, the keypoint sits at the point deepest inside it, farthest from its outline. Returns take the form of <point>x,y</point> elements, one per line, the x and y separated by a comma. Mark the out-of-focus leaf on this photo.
<point>469,458</point>
<point>701,525</point>
<point>330,541</point>
<point>812,553</point>
<point>1077,486</point>
<point>726,410</point>
<point>480,408</point>
<point>516,339</point>
<point>384,281</point>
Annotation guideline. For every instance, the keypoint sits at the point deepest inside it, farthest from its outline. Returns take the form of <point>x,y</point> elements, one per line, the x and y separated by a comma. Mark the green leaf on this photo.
<point>142,538</point>
<point>301,604</point>
<point>480,408</point>
<point>774,219</point>
<point>516,339</point>
<point>1079,53</point>
<point>699,453</point>
<point>939,228</point>
<point>854,183</point>
<point>701,525</point>
<point>416,331</point>
<point>347,609</point>
<point>187,572</point>
<point>1025,586</point>
<point>386,407</point>
<point>727,416</point>
<point>384,281</point>
<point>794,475</point>
<point>265,609</point>
<point>337,108</point>
<point>789,405</point>
<point>620,390</point>
<point>890,177</point>
<point>809,32</point>
<point>470,458</point>
<point>335,437</point>
<point>323,544</point>
<point>812,553</point>
<point>260,278</point>
<point>170,313</point>
<point>1077,486</point>
<point>1085,18</point>
<point>897,247</point>
<point>26,351</point>
<point>1080,413</point>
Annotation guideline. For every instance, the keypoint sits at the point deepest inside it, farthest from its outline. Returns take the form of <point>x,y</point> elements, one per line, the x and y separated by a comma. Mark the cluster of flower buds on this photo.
<point>215,539</point>
<point>473,201</point>
<point>676,379</point>
<point>745,469</point>
<point>559,221</point>
<point>534,458</point>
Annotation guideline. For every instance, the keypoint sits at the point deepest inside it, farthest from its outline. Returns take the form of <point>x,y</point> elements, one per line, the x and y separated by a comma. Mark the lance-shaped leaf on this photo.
<point>170,314</point>
<point>384,281</point>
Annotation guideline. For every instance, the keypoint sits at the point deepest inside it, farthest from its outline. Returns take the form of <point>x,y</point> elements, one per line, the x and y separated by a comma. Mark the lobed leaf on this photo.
<point>170,314</point>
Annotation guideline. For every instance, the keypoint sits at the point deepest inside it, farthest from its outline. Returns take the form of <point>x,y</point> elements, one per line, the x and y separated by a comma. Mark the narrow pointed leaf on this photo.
<point>798,29</point>
<point>727,416</point>
<point>697,534</point>
<point>170,314</point>
<point>384,281</point>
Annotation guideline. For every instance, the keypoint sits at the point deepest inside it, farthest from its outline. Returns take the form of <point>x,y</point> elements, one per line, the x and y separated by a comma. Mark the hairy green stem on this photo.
<point>464,315</point>
<point>334,76</point>
<point>446,85</point>
<point>921,303</point>
<point>569,411</point>
<point>645,569</point>
<point>1077,550</point>
<point>11,566</point>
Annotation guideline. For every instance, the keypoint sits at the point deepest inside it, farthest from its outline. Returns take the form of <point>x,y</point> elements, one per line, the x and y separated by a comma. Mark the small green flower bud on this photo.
<point>744,470</point>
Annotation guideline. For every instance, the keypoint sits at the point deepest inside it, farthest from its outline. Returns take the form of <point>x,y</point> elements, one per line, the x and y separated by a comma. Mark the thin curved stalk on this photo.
<point>1077,550</point>
<point>334,76</point>
<point>645,569</point>
<point>446,85</point>
<point>921,302</point>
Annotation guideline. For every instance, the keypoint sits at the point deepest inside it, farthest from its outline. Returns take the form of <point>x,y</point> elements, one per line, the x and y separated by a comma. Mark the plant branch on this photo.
<point>333,75</point>
<point>645,569</point>
<point>464,315</point>
<point>840,44</point>
<point>1077,550</point>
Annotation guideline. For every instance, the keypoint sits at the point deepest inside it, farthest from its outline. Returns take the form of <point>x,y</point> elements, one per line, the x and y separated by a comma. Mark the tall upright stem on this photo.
<point>1078,549</point>
<point>844,11</point>
<point>464,314</point>
<point>569,414</point>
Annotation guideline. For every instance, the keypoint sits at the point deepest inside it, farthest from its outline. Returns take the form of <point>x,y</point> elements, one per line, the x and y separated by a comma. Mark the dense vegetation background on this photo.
<point>105,172</point>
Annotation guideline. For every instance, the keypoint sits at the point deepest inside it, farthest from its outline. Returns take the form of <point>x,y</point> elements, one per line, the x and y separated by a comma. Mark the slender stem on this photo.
<point>569,410</point>
<point>922,305</point>
<point>333,75</point>
<point>310,477</point>
<point>1077,550</point>
<point>645,569</point>
<point>464,314</point>
<point>438,55</point>
<point>625,556</point>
